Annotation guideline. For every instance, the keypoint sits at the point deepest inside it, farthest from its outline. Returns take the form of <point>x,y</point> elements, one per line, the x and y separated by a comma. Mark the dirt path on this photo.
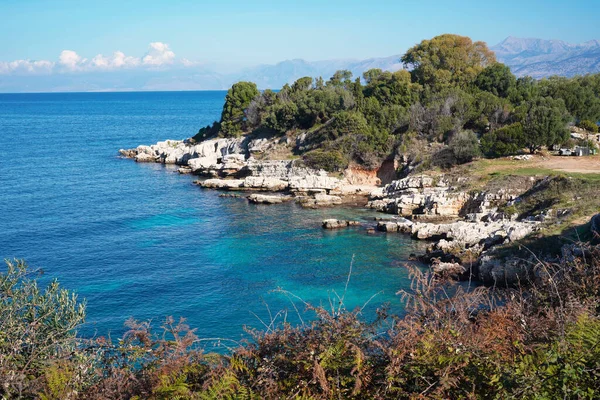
<point>584,165</point>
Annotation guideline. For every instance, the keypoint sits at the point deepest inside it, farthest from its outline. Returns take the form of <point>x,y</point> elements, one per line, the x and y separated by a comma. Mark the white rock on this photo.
<point>222,183</point>
<point>265,183</point>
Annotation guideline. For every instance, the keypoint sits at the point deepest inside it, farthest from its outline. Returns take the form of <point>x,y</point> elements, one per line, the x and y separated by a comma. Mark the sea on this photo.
<point>142,241</point>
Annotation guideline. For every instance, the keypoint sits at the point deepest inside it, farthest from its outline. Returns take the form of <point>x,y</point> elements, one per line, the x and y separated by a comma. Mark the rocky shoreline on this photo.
<point>463,227</point>
<point>233,165</point>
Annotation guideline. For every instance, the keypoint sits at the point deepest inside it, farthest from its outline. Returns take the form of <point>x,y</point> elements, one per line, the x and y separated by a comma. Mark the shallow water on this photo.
<point>140,240</point>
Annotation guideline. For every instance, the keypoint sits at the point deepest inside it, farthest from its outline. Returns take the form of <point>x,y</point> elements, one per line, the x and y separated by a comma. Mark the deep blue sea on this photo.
<point>140,240</point>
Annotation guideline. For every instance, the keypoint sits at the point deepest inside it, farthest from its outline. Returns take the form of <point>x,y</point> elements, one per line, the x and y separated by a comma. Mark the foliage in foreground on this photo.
<point>538,342</point>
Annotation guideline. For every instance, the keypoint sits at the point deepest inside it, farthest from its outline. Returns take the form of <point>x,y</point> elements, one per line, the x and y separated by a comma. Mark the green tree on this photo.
<point>341,78</point>
<point>302,84</point>
<point>545,123</point>
<point>236,102</point>
<point>496,79</point>
<point>580,99</point>
<point>448,60</point>
<point>391,87</point>
<point>504,141</point>
<point>526,89</point>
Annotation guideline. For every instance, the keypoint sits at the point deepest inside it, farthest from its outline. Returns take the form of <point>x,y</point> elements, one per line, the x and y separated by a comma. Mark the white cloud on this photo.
<point>158,54</point>
<point>26,66</point>
<point>71,61</point>
<point>117,60</point>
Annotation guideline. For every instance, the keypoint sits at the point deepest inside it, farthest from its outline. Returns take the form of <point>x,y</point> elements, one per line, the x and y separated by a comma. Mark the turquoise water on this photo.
<point>140,240</point>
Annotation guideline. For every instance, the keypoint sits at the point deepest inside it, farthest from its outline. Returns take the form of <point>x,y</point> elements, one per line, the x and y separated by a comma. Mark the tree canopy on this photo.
<point>448,60</point>
<point>237,100</point>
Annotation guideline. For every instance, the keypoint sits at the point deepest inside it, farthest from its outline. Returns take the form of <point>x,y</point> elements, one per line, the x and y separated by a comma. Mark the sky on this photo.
<point>70,36</point>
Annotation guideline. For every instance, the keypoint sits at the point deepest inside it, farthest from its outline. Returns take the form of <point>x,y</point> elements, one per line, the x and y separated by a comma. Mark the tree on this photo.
<point>341,78</point>
<point>579,97</point>
<point>526,89</point>
<point>504,141</point>
<point>545,123</point>
<point>302,84</point>
<point>496,79</point>
<point>237,100</point>
<point>448,60</point>
<point>391,87</point>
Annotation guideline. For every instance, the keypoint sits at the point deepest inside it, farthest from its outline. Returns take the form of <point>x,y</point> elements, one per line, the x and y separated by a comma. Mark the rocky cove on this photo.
<point>465,227</point>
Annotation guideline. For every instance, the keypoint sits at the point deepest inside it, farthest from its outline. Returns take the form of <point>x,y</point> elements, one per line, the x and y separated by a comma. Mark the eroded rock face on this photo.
<point>206,154</point>
<point>419,195</point>
<point>426,197</point>
<point>469,234</point>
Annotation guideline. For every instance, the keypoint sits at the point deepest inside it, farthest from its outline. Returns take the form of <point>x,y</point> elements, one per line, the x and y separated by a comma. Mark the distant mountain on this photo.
<point>275,76</point>
<point>541,58</point>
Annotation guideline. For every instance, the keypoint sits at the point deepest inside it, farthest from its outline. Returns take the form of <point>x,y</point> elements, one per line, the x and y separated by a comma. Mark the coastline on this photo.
<point>464,227</point>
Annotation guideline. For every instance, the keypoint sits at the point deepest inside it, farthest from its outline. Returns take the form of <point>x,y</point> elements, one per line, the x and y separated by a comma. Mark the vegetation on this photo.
<point>454,85</point>
<point>588,125</point>
<point>541,341</point>
<point>503,141</point>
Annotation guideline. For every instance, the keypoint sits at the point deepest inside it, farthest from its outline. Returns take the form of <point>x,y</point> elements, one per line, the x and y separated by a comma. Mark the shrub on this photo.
<point>329,160</point>
<point>37,333</point>
<point>465,146</point>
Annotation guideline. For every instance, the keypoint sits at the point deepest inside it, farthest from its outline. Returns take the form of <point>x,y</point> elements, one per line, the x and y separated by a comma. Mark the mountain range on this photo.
<point>541,58</point>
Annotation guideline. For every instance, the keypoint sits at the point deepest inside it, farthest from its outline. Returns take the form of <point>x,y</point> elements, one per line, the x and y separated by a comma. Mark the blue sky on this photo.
<point>242,33</point>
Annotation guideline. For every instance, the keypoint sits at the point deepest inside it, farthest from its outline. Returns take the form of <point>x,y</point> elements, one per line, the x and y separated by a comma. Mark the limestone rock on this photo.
<point>265,183</point>
<point>309,182</point>
<point>320,200</point>
<point>145,157</point>
<point>226,184</point>
<point>448,269</point>
<point>337,224</point>
<point>267,199</point>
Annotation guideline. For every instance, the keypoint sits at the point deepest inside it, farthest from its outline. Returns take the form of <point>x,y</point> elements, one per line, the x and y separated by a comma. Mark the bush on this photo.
<point>331,161</point>
<point>588,125</point>
<point>465,146</point>
<point>504,141</point>
<point>37,333</point>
